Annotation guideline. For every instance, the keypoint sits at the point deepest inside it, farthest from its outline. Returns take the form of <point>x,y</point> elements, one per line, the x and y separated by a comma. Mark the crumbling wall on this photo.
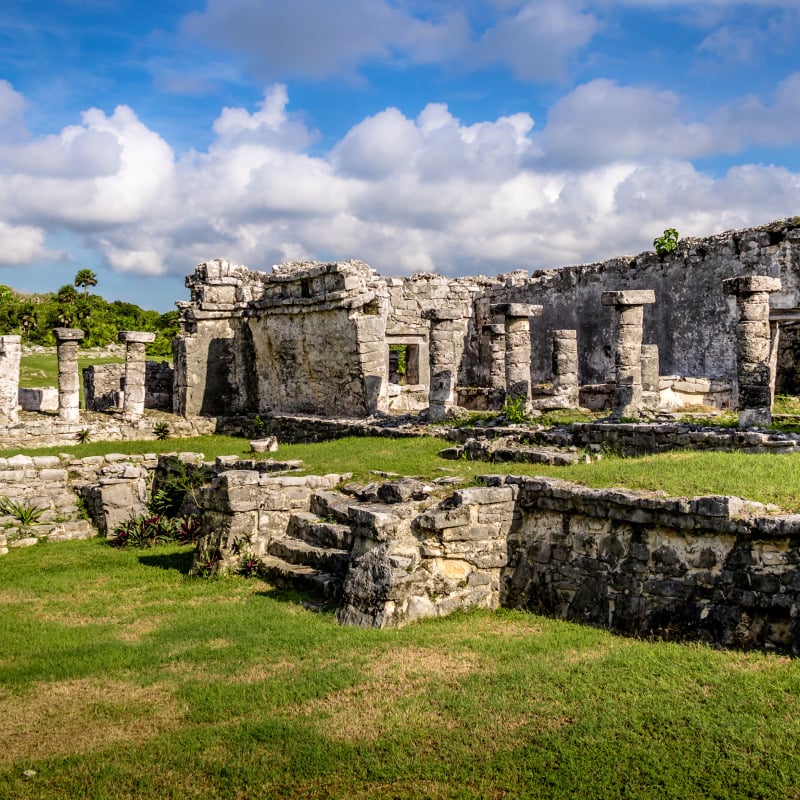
<point>310,337</point>
<point>692,321</point>
<point>714,569</point>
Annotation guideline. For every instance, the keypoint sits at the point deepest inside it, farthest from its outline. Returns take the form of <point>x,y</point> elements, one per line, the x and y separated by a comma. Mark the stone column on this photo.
<point>753,347</point>
<point>135,367</point>
<point>518,347</point>
<point>628,324</point>
<point>442,355</point>
<point>565,368</point>
<point>10,350</point>
<point>67,349</point>
<point>497,349</point>
<point>651,397</point>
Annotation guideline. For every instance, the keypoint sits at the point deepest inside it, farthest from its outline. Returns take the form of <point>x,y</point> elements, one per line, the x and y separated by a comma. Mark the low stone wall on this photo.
<point>69,493</point>
<point>81,497</point>
<point>627,439</point>
<point>103,385</point>
<point>42,430</point>
<point>717,569</point>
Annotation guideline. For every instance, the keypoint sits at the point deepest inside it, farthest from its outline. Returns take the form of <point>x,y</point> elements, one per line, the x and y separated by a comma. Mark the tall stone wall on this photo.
<point>692,321</point>
<point>253,341</point>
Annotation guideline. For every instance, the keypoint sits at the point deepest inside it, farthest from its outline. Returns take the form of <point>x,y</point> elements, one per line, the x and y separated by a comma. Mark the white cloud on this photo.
<point>317,38</point>
<point>601,121</point>
<point>610,171</point>
<point>24,244</point>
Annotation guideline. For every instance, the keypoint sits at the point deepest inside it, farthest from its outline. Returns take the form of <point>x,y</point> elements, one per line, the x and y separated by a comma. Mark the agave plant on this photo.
<point>25,513</point>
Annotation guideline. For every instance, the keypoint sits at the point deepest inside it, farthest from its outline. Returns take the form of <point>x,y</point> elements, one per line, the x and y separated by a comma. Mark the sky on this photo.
<point>141,137</point>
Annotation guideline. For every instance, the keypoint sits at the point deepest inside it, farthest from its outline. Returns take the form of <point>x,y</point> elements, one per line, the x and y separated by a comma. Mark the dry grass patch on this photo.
<point>78,716</point>
<point>264,672</point>
<point>364,712</point>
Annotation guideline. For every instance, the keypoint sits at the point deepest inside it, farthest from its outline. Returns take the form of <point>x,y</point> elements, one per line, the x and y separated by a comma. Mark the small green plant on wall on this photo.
<point>667,242</point>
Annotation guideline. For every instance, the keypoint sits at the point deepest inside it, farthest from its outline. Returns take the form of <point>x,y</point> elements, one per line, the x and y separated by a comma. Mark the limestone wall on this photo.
<point>692,321</point>
<point>717,569</point>
<point>73,495</point>
<point>309,337</point>
<point>42,430</point>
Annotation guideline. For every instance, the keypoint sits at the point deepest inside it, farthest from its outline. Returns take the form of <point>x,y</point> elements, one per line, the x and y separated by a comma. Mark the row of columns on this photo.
<point>636,365</point>
<point>67,340</point>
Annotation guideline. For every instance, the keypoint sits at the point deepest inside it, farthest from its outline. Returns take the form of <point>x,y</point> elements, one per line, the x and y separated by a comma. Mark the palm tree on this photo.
<point>85,278</point>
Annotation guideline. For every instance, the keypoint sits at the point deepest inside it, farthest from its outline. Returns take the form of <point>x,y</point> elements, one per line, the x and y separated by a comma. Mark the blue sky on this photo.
<point>140,138</point>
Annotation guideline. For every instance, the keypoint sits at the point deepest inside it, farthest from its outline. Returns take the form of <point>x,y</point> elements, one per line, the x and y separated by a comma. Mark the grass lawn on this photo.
<point>120,677</point>
<point>766,478</point>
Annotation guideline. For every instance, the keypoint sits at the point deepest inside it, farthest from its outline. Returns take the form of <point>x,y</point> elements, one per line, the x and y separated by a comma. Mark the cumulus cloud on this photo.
<point>611,168</point>
<point>601,121</point>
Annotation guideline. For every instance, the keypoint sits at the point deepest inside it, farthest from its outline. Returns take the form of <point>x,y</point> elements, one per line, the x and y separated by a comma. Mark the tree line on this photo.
<point>34,316</point>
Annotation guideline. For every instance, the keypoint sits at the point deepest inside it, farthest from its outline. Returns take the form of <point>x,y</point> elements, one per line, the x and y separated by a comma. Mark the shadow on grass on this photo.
<point>308,600</point>
<point>181,562</point>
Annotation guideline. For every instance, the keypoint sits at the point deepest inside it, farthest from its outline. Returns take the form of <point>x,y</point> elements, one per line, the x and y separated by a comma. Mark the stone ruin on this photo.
<point>697,327</point>
<point>717,323</point>
<point>350,349</point>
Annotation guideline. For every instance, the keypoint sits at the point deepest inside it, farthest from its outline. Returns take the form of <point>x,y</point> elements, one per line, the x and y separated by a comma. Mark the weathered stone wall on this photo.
<point>692,321</point>
<point>77,496</point>
<point>103,383</point>
<point>715,569</point>
<point>718,569</point>
<point>310,337</point>
<point>256,342</point>
<point>42,430</point>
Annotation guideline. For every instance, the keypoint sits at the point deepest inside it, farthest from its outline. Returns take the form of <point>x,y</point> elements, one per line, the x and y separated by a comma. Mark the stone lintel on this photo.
<point>751,284</point>
<point>516,309</point>
<point>566,333</point>
<point>628,297</point>
<point>68,334</point>
<point>441,314</point>
<point>141,337</point>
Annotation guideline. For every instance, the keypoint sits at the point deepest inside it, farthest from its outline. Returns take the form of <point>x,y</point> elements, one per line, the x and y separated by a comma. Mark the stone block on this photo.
<point>750,284</point>
<point>628,297</point>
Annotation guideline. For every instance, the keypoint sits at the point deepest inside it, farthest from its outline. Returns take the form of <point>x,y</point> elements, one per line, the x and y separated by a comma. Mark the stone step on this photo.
<point>296,551</point>
<point>331,506</point>
<point>322,533</point>
<point>298,576</point>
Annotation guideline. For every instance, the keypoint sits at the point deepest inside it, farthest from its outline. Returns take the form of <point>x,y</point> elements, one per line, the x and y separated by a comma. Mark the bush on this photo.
<point>148,531</point>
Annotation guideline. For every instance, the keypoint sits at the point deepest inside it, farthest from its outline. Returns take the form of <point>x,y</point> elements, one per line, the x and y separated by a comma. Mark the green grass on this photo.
<point>120,678</point>
<point>765,478</point>
<point>41,369</point>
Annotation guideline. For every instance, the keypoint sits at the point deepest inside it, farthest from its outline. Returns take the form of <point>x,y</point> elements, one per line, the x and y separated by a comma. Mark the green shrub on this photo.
<point>514,409</point>
<point>667,242</point>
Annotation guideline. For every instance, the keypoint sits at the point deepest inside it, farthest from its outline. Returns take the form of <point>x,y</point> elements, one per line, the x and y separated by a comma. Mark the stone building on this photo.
<point>329,338</point>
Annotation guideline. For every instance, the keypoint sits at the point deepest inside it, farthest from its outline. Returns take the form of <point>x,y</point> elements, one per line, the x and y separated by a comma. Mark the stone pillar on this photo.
<point>651,396</point>
<point>443,366</point>
<point>135,367</point>
<point>518,347</point>
<point>628,324</point>
<point>565,368</point>
<point>10,350</point>
<point>753,346</point>
<point>67,349</point>
<point>497,349</point>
